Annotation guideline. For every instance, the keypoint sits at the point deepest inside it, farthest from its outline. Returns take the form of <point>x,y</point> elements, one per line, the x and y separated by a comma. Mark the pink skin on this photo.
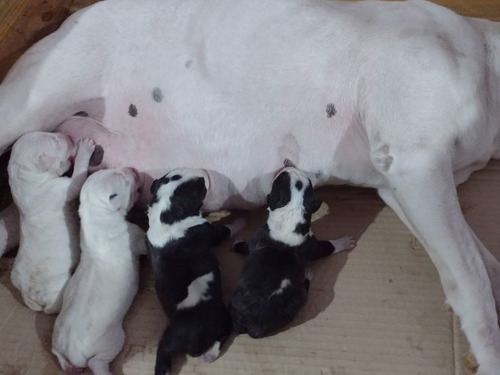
<point>73,371</point>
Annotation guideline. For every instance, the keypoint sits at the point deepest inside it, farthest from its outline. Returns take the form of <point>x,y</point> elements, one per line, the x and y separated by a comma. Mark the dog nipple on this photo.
<point>97,156</point>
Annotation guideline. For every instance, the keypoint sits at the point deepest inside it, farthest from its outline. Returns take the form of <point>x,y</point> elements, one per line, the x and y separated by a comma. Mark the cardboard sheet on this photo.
<point>378,309</point>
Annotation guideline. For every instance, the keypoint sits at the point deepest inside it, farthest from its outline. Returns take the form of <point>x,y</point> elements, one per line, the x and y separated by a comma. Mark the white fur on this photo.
<point>48,250</point>
<point>283,221</point>
<point>246,85</point>
<point>197,292</point>
<point>160,234</point>
<point>88,332</point>
<point>211,354</point>
<point>285,283</point>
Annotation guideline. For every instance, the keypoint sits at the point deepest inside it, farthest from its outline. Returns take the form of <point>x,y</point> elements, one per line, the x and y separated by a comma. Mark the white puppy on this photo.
<point>88,332</point>
<point>48,250</point>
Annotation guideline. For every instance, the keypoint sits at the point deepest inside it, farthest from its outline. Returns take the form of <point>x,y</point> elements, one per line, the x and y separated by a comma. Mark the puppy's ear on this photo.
<point>117,201</point>
<point>311,203</point>
<point>280,192</point>
<point>154,187</point>
<point>186,201</point>
<point>44,162</point>
<point>193,193</point>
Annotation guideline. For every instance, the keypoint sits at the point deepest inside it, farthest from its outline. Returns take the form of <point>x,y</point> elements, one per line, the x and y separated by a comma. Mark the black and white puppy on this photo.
<point>187,275</point>
<point>273,284</point>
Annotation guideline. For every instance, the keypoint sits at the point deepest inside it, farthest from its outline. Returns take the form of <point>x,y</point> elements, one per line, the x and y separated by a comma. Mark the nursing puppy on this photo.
<point>187,275</point>
<point>273,284</point>
<point>48,249</point>
<point>88,332</point>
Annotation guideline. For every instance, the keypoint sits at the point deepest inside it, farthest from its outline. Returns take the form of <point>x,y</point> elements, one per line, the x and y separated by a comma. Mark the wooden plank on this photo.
<point>24,22</point>
<point>10,12</point>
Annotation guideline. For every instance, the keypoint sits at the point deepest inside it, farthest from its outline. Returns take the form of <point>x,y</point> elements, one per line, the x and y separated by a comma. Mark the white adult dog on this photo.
<point>48,251</point>
<point>88,332</point>
<point>400,96</point>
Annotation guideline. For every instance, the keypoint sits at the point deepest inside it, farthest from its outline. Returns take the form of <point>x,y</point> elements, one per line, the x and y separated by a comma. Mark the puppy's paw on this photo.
<point>309,274</point>
<point>211,354</point>
<point>86,145</point>
<point>236,226</point>
<point>343,243</point>
<point>84,149</point>
<point>240,247</point>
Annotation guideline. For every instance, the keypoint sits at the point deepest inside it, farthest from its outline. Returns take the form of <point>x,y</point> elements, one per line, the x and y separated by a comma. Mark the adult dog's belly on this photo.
<point>240,151</point>
<point>224,103</point>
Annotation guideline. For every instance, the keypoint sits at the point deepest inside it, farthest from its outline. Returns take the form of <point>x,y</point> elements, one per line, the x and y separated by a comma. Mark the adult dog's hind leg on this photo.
<point>421,189</point>
<point>491,263</point>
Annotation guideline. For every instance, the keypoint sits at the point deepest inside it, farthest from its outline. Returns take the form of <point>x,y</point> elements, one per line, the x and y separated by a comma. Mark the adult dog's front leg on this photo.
<point>421,190</point>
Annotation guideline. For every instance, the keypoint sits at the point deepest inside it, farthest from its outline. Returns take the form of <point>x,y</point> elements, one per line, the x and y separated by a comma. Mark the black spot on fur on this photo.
<point>175,178</point>
<point>330,110</point>
<point>157,95</point>
<point>299,185</point>
<point>97,156</point>
<point>186,201</point>
<point>303,228</point>
<point>280,192</point>
<point>288,163</point>
<point>188,64</point>
<point>132,110</point>
<point>155,186</point>
<point>113,196</point>
<point>81,114</point>
<point>311,203</point>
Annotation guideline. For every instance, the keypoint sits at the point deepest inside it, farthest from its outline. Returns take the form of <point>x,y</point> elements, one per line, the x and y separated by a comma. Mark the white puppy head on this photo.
<point>41,152</point>
<point>178,195</point>
<point>291,204</point>
<point>109,190</point>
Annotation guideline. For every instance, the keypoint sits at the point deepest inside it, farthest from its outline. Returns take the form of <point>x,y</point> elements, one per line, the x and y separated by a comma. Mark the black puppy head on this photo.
<point>179,194</point>
<point>292,187</point>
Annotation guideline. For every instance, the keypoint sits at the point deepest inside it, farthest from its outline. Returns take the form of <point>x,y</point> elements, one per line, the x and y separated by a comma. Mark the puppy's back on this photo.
<point>271,290</point>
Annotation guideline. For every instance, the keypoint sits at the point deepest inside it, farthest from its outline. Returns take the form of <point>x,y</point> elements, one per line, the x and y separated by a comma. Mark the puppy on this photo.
<point>88,332</point>
<point>187,275</point>
<point>273,284</point>
<point>48,250</point>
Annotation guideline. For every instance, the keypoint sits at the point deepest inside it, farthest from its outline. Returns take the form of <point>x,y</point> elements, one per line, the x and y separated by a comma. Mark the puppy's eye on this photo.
<point>113,196</point>
<point>176,177</point>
